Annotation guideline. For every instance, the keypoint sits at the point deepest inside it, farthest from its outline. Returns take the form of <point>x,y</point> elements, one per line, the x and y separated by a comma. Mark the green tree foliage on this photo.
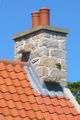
<point>75,89</point>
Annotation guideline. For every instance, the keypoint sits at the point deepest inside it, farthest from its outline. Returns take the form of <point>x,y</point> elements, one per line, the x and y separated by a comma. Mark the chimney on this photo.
<point>35,19</point>
<point>44,17</point>
<point>41,18</point>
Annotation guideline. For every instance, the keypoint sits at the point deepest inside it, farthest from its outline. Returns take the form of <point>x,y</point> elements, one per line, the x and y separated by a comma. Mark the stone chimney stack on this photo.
<point>44,46</point>
<point>41,18</point>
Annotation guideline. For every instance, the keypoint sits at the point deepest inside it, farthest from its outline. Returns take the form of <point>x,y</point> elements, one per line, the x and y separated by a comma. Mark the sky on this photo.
<point>15,17</point>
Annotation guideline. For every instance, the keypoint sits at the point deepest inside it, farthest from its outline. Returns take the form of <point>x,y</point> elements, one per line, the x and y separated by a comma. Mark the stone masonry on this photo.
<point>48,54</point>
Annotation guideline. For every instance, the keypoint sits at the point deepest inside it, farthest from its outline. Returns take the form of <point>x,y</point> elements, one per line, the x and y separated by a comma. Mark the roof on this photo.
<point>19,101</point>
<point>33,30</point>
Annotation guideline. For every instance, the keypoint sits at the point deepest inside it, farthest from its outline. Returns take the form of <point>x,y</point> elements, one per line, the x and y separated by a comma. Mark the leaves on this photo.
<point>75,89</point>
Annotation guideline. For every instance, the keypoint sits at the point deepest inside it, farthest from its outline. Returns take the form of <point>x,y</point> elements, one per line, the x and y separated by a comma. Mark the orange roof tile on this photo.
<point>19,101</point>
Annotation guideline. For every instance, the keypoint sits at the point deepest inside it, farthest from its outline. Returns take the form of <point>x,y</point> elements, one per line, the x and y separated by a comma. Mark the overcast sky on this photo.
<point>15,16</point>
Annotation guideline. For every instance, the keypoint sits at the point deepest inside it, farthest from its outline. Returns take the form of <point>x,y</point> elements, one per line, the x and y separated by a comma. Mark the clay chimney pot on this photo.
<point>35,19</point>
<point>41,17</point>
<point>44,17</point>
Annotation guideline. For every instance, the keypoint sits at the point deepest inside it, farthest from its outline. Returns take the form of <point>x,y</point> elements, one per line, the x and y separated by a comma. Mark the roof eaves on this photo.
<point>53,29</point>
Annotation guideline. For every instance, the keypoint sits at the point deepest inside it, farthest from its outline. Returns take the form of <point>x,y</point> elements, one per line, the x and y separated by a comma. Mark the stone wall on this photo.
<point>47,50</point>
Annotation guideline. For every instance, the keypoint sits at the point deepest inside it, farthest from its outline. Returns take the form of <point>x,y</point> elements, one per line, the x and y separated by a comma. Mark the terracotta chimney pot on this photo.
<point>44,17</point>
<point>35,19</point>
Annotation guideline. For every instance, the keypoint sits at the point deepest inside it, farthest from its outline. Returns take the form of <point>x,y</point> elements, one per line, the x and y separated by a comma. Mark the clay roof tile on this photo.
<point>19,101</point>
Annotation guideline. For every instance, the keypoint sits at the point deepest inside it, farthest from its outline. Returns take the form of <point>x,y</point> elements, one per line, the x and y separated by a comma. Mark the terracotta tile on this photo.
<point>70,117</point>
<point>17,118</point>
<point>15,62</point>
<point>7,96</point>
<point>55,116</point>
<point>9,118</point>
<point>24,83</point>
<point>31,114</point>
<point>14,112</point>
<point>35,107</point>
<point>69,104</point>
<point>10,68</point>
<point>39,100</point>
<point>18,68</point>
<point>58,109</point>
<point>27,106</point>
<point>11,104</point>
<point>2,103</point>
<point>19,105</point>
<point>15,97</point>
<point>13,75</point>
<point>8,81</point>
<point>66,110</point>
<point>23,113</point>
<point>62,117</point>
<point>0,110</point>
<point>1,80</point>
<point>28,91</point>
<point>12,89</point>
<point>37,119</point>
<point>77,117</point>
<point>50,109</point>
<point>39,115</point>
<point>61,97</point>
<point>4,74</point>
<point>1,95</point>
<point>6,111</point>
<point>47,116</point>
<point>16,83</point>
<point>19,90</point>
<point>43,108</point>
<point>54,101</point>
<point>73,111</point>
<point>36,94</point>
<point>78,113</point>
<point>21,76</point>
<point>23,98</point>
<point>28,84</point>
<point>27,118</point>
<point>2,117</point>
<point>62,102</point>
<point>3,88</point>
<point>47,100</point>
<point>31,99</point>
<point>2,66</point>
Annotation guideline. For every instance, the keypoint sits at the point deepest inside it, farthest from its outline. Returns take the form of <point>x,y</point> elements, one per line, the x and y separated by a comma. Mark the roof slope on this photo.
<point>18,100</point>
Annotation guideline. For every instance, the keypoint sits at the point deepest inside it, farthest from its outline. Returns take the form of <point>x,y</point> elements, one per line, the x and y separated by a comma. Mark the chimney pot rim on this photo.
<point>47,9</point>
<point>35,12</point>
